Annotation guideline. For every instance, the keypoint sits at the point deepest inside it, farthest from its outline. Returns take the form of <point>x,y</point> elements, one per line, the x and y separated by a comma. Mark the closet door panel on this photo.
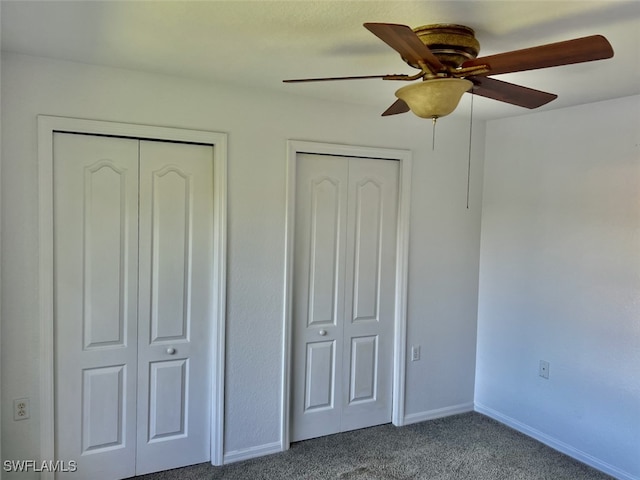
<point>95,309</point>
<point>175,313</point>
<point>318,300</point>
<point>172,222</point>
<point>370,291</point>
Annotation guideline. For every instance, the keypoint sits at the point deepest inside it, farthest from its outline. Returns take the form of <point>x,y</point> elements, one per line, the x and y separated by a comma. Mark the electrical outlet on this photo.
<point>543,369</point>
<point>415,353</point>
<point>21,409</point>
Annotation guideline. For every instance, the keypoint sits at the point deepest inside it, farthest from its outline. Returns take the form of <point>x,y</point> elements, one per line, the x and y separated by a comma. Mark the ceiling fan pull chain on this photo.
<point>433,134</point>
<point>469,162</point>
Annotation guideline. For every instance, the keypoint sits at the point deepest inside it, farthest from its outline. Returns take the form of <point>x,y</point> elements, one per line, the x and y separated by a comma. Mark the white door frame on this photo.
<point>47,125</point>
<point>294,147</point>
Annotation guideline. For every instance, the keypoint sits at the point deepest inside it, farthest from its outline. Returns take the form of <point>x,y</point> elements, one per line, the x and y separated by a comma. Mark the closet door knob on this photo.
<point>171,351</point>
<point>322,333</point>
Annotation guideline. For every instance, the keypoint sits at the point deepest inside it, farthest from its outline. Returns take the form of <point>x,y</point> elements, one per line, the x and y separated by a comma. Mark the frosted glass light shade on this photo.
<point>434,98</point>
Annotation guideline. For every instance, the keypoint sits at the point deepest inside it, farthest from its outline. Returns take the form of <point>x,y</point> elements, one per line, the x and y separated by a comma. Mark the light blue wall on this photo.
<point>560,280</point>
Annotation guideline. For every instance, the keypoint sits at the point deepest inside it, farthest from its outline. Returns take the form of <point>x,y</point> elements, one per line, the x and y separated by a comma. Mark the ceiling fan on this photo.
<point>446,55</point>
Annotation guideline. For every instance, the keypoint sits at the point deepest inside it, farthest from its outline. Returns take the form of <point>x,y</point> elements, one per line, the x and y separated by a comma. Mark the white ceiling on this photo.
<point>259,43</point>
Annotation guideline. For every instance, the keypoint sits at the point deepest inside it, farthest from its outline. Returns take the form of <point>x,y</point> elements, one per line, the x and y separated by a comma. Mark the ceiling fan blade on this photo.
<point>403,40</point>
<point>585,49</point>
<point>399,106</point>
<point>361,77</point>
<point>509,92</point>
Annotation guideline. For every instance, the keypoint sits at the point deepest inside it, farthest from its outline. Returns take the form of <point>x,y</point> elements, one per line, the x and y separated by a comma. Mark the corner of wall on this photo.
<point>555,443</point>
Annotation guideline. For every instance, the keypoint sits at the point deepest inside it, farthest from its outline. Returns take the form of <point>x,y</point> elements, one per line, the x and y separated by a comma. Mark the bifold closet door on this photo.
<point>343,293</point>
<point>96,303</point>
<point>175,311</point>
<point>133,242</point>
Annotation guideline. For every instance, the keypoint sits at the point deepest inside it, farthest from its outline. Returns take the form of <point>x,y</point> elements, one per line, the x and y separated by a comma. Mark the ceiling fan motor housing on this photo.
<point>451,44</point>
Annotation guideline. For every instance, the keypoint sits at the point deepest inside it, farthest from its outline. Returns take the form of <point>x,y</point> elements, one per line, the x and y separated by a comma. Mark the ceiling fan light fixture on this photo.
<point>434,98</point>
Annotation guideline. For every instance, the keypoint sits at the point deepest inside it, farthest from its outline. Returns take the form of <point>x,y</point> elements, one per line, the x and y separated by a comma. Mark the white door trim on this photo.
<point>402,267</point>
<point>47,125</point>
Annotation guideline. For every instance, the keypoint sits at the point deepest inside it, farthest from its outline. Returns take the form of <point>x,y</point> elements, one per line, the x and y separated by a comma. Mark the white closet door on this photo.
<point>369,306</point>
<point>133,246</point>
<point>318,300</point>
<point>343,293</point>
<point>175,308</point>
<point>96,301</point>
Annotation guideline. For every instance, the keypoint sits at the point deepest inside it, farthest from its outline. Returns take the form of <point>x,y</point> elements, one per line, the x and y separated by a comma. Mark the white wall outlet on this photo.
<point>415,353</point>
<point>543,369</point>
<point>21,409</point>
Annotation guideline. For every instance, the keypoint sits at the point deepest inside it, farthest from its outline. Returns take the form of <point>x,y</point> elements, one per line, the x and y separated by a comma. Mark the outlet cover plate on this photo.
<point>415,353</point>
<point>543,369</point>
<point>21,408</point>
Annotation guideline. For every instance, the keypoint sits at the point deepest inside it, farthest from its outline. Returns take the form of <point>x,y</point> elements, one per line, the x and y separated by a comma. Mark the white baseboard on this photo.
<point>438,413</point>
<point>252,452</point>
<point>275,447</point>
<point>555,443</point>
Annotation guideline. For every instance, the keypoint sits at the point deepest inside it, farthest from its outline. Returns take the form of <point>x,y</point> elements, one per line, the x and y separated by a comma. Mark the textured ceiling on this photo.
<point>259,43</point>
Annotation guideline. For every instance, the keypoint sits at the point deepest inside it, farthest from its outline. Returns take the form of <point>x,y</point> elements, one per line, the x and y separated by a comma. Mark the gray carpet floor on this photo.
<point>468,446</point>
